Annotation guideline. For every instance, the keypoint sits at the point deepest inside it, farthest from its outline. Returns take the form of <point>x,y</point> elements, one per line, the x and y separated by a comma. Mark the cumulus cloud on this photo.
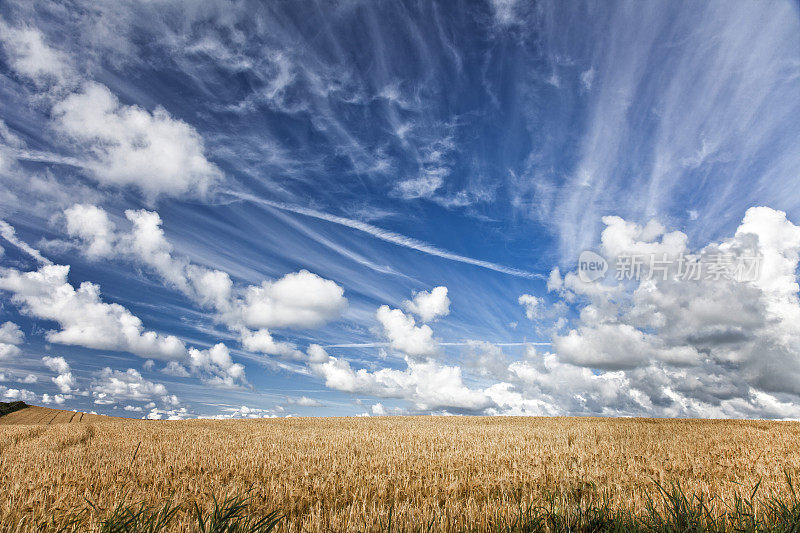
<point>174,368</point>
<point>486,359</point>
<point>10,333</point>
<point>428,385</point>
<point>660,345</point>
<point>262,341</point>
<point>112,386</point>
<point>30,56</point>
<point>65,381</point>
<point>58,365</point>
<point>532,305</point>
<point>84,318</point>
<point>404,335</point>
<point>130,146</point>
<point>304,401</point>
<point>92,225</point>
<point>216,366</point>
<point>146,243</point>
<point>618,346</point>
<point>740,335</point>
<point>118,145</point>
<point>17,394</point>
<point>429,305</point>
<point>168,414</point>
<point>10,337</point>
<point>7,351</point>
<point>87,321</point>
<point>299,300</point>
<point>57,399</point>
<point>245,412</point>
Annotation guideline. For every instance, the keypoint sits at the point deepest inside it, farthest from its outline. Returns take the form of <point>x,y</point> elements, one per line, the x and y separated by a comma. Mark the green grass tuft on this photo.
<point>580,510</point>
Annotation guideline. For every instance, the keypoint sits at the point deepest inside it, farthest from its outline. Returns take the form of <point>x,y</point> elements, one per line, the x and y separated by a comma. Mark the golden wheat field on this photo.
<point>346,474</point>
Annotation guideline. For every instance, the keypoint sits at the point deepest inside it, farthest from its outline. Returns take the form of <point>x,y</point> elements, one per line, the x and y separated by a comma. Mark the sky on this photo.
<point>248,209</point>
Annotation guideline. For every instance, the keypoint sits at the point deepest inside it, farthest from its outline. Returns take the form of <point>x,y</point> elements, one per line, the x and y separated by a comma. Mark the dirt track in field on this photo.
<point>34,415</point>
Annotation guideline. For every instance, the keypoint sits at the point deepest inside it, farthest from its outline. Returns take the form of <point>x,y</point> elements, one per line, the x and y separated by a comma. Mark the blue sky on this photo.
<point>242,187</point>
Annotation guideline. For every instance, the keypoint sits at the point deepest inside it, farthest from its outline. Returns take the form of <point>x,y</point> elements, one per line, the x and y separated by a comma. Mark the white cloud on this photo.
<point>424,185</point>
<point>10,333</point>
<point>10,337</point>
<point>317,354</point>
<point>486,359</point>
<point>428,385</point>
<point>7,351</point>
<point>9,233</point>
<point>404,335</point>
<point>741,335</point>
<point>30,56</point>
<point>92,225</point>
<point>113,386</point>
<point>617,346</point>
<point>174,368</point>
<point>245,412</point>
<point>57,399</point>
<point>57,364</point>
<point>428,305</point>
<point>212,288</point>
<point>168,414</point>
<point>554,281</point>
<point>84,319</point>
<point>216,366</point>
<point>297,300</point>
<point>706,348</point>
<point>262,341</point>
<point>546,385</point>
<point>65,381</point>
<point>17,394</point>
<point>128,145</point>
<point>304,401</point>
<point>434,166</point>
<point>505,11</point>
<point>532,305</point>
<point>147,243</point>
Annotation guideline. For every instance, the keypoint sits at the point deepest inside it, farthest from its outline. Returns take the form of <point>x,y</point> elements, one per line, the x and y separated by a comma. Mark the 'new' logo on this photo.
<point>591,266</point>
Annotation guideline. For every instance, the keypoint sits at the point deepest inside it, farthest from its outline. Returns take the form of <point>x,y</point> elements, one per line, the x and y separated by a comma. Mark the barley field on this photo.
<point>361,474</point>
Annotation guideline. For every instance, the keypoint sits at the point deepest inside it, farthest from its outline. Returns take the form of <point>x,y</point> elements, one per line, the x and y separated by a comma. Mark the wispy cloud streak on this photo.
<point>390,236</point>
<point>386,344</point>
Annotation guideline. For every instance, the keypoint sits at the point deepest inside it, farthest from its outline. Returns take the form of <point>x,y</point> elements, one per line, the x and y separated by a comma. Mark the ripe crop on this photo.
<point>348,474</point>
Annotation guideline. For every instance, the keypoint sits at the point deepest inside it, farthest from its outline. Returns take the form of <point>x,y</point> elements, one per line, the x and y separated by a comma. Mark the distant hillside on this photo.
<point>10,407</point>
<point>16,413</point>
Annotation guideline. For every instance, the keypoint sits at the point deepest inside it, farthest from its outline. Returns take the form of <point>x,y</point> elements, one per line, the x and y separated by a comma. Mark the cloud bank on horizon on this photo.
<point>240,210</point>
